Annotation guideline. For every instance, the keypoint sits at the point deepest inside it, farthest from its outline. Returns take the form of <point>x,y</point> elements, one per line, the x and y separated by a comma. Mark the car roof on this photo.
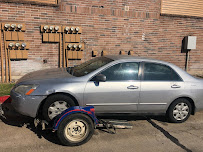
<point>129,57</point>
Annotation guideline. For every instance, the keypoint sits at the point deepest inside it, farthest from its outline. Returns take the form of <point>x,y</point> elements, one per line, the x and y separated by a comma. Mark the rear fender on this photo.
<point>89,111</point>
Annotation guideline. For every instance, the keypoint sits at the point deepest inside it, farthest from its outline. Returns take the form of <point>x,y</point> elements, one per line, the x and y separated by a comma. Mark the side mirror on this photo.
<point>100,78</point>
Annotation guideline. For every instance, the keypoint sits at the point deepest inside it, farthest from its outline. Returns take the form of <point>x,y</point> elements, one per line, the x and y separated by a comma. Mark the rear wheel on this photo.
<point>55,105</point>
<point>179,111</point>
<point>75,130</point>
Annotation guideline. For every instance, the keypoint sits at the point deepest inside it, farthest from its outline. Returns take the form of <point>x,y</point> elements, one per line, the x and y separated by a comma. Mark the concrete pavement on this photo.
<point>152,134</point>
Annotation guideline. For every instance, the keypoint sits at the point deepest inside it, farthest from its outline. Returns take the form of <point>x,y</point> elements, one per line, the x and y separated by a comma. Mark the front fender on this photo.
<point>77,109</point>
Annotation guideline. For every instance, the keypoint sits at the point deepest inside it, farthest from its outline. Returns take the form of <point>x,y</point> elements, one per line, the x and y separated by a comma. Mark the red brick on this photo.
<point>104,30</point>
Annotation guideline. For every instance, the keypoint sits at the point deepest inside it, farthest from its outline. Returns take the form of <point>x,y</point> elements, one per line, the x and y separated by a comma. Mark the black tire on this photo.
<point>174,114</point>
<point>53,99</point>
<point>70,137</point>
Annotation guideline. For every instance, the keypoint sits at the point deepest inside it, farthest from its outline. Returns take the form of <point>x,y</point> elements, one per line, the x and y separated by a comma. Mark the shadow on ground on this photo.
<point>12,118</point>
<point>131,117</point>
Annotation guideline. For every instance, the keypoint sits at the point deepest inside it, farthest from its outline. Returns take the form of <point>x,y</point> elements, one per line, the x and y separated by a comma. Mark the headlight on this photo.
<point>26,89</point>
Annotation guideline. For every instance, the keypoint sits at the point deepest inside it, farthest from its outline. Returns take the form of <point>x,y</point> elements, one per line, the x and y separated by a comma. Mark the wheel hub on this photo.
<point>180,111</point>
<point>57,108</point>
<point>76,130</point>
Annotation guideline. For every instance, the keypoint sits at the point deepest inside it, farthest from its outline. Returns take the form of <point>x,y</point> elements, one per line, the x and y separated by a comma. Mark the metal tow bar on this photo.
<point>112,125</point>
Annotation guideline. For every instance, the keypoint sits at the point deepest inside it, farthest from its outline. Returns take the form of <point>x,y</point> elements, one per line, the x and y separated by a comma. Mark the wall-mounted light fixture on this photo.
<point>51,28</point>
<point>67,28</point>
<point>70,46</point>
<point>13,26</point>
<point>24,45</point>
<point>45,28</point>
<point>75,46</point>
<point>77,29</point>
<point>20,26</point>
<point>11,45</point>
<point>56,28</point>
<point>72,29</point>
<point>79,46</point>
<point>7,26</point>
<point>17,45</point>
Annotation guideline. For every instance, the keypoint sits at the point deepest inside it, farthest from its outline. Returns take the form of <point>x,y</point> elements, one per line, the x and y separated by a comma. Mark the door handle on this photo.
<point>132,87</point>
<point>175,86</point>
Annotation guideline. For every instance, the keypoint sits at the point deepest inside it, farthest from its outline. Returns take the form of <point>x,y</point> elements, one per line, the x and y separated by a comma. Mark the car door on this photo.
<point>119,93</point>
<point>159,85</point>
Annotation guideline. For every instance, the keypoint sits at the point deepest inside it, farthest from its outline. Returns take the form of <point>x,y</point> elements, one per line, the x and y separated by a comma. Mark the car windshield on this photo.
<point>89,66</point>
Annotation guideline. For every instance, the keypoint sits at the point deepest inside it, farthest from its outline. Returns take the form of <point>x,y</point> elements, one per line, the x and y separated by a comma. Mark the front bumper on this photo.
<point>26,105</point>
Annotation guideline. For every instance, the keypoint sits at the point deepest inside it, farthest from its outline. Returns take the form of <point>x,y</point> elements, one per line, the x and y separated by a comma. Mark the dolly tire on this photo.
<point>75,129</point>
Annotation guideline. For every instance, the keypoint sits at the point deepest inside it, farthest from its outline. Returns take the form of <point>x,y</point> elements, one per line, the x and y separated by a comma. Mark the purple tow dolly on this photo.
<point>75,126</point>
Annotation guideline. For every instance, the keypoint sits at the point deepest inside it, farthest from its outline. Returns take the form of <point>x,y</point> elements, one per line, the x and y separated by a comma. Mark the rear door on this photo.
<point>120,92</point>
<point>159,85</point>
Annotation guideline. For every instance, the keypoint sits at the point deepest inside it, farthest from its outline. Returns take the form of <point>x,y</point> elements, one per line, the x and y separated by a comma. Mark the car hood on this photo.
<point>46,74</point>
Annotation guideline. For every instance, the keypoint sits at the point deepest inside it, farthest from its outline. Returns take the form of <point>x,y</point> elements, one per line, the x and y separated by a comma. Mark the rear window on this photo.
<point>159,72</point>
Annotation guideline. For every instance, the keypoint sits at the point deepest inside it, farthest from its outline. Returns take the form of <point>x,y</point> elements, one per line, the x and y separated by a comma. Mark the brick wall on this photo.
<point>106,26</point>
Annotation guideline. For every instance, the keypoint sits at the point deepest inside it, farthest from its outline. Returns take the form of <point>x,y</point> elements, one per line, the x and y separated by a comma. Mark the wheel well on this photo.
<point>39,112</point>
<point>190,100</point>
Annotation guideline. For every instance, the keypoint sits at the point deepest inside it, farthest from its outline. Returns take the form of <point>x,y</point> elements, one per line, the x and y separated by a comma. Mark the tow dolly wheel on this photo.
<point>75,130</point>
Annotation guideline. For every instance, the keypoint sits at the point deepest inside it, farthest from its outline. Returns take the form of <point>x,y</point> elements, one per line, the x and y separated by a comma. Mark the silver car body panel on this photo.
<point>159,92</point>
<point>26,105</point>
<point>110,97</point>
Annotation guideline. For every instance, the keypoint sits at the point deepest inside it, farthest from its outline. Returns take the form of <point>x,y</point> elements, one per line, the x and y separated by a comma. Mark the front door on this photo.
<point>119,93</point>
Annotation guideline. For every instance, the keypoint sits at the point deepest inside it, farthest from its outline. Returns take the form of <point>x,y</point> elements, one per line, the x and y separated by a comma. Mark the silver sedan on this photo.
<point>112,84</point>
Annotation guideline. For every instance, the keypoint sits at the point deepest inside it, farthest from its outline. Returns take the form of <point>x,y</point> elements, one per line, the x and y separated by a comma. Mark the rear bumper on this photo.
<point>26,105</point>
<point>199,105</point>
<point>199,108</point>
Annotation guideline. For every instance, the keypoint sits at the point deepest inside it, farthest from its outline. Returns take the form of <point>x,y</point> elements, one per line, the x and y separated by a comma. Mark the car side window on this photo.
<point>175,76</point>
<point>159,72</point>
<point>122,71</point>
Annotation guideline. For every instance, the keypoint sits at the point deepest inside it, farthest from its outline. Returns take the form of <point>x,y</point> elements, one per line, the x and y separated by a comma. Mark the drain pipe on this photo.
<point>187,60</point>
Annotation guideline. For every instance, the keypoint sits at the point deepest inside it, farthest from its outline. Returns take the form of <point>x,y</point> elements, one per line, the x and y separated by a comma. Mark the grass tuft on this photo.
<point>5,89</point>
